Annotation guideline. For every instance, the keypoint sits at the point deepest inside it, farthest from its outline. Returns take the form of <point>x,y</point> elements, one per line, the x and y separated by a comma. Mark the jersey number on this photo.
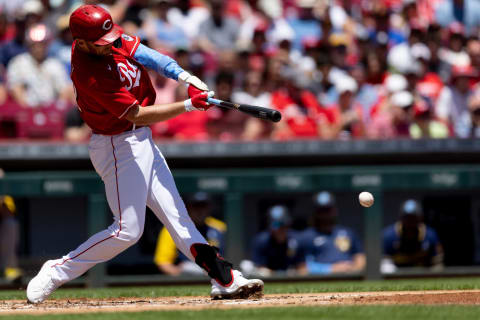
<point>130,73</point>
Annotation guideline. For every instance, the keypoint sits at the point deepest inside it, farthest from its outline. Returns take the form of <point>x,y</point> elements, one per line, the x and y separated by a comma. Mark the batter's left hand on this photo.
<point>193,91</point>
<point>192,81</point>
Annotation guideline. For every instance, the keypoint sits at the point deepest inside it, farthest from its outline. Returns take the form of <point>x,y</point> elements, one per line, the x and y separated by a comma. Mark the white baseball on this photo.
<point>366,199</point>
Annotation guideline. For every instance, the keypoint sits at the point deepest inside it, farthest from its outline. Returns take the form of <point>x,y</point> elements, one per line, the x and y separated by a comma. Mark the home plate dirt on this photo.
<point>468,297</point>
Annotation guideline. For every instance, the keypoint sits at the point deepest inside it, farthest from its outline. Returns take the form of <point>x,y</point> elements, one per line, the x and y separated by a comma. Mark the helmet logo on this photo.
<point>107,24</point>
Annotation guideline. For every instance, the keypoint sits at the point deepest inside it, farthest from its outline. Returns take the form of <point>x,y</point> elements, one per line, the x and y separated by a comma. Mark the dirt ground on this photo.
<point>468,297</point>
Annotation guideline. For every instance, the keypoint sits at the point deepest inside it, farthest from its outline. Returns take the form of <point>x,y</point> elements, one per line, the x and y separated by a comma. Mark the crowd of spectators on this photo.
<point>336,69</point>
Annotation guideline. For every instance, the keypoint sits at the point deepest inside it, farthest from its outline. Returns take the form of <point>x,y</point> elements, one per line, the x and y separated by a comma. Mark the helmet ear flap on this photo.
<point>117,43</point>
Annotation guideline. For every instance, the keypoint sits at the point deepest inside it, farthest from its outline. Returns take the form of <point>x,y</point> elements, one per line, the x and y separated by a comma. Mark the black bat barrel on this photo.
<point>261,112</point>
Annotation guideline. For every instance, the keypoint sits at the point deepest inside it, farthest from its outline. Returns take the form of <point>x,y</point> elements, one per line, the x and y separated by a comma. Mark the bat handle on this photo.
<point>214,101</point>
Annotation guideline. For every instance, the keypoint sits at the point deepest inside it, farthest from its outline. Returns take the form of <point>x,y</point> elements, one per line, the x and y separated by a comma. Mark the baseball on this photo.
<point>366,199</point>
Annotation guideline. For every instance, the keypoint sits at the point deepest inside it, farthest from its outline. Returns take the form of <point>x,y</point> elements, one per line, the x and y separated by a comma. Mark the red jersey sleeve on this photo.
<point>112,97</point>
<point>130,44</point>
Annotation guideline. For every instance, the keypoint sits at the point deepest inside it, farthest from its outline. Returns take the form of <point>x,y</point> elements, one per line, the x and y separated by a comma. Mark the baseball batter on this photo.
<point>115,97</point>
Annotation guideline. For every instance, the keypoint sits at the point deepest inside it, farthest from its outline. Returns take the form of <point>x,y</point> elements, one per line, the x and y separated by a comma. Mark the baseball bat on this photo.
<point>254,111</point>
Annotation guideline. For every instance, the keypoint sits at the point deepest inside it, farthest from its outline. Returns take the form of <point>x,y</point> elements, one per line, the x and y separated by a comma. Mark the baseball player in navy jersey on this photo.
<point>115,97</point>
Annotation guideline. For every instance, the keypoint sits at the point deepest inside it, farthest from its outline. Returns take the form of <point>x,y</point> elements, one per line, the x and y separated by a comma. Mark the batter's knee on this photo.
<point>131,235</point>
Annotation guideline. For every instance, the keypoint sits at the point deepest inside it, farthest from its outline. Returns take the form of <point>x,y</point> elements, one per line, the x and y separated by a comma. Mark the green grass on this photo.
<point>297,313</point>
<point>293,287</point>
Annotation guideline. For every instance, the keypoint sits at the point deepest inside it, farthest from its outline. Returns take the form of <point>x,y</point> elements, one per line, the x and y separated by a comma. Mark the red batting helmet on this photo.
<point>93,23</point>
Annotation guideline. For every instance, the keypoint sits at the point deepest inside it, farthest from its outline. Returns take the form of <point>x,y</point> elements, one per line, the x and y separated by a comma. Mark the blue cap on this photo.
<point>199,197</point>
<point>324,199</point>
<point>410,207</point>
<point>278,216</point>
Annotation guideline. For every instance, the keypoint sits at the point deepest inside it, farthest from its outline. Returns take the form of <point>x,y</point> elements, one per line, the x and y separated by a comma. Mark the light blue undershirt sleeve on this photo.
<point>156,61</point>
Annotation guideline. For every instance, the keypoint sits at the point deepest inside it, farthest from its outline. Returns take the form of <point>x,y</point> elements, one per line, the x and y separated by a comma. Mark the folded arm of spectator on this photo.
<point>346,119</point>
<point>359,262</point>
<point>170,269</point>
<point>206,45</point>
<point>3,94</point>
<point>19,95</point>
<point>325,130</point>
<point>253,130</point>
<point>281,131</point>
<point>77,134</point>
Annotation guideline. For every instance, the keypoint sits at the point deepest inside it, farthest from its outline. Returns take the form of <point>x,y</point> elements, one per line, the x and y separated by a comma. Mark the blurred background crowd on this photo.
<point>336,69</point>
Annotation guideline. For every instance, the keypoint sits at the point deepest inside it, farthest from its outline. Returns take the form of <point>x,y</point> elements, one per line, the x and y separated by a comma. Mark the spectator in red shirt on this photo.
<point>303,116</point>
<point>429,84</point>
<point>348,119</point>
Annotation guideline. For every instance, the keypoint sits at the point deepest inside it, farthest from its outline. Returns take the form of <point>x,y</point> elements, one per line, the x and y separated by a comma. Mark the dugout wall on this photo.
<point>241,191</point>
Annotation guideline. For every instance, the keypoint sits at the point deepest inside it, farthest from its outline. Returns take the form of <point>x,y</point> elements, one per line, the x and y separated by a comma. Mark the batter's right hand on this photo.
<point>199,101</point>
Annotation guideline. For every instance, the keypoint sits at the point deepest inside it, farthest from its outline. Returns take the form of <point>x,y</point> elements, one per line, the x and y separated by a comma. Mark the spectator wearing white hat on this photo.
<point>400,56</point>
<point>348,118</point>
<point>254,93</point>
<point>429,84</point>
<point>392,84</point>
<point>30,12</point>
<point>367,95</point>
<point>34,79</point>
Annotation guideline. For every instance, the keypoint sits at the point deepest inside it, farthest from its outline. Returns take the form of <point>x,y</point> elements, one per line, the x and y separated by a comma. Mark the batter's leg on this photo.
<point>165,201</point>
<point>125,166</point>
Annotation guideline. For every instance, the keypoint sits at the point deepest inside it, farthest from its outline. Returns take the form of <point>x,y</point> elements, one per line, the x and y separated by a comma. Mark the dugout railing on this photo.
<point>235,183</point>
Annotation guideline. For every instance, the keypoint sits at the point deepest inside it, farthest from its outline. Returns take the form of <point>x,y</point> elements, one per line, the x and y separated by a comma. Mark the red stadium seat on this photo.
<point>40,123</point>
<point>8,119</point>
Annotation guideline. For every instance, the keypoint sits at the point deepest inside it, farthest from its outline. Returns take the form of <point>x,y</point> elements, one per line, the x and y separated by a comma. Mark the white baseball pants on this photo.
<point>135,175</point>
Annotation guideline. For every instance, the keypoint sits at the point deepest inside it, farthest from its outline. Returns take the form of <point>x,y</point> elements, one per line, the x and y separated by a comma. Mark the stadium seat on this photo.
<point>40,123</point>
